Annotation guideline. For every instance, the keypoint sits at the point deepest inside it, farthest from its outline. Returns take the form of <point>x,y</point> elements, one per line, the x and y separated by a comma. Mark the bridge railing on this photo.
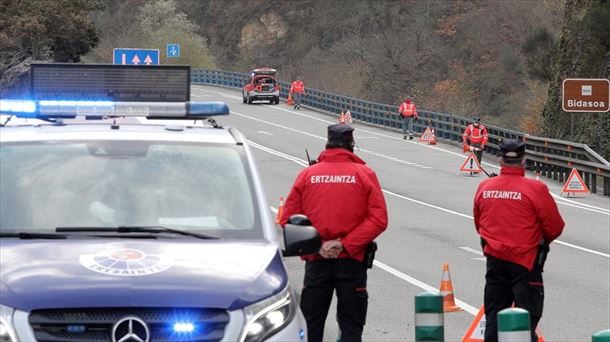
<point>552,158</point>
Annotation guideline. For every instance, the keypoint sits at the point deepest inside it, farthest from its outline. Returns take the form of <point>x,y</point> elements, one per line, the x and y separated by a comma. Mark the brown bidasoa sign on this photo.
<point>585,95</point>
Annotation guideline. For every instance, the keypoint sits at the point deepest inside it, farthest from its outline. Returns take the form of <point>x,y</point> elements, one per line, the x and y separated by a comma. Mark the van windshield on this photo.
<point>197,187</point>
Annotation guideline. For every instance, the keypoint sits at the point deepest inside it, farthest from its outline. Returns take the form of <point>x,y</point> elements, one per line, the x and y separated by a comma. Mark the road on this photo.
<point>430,223</point>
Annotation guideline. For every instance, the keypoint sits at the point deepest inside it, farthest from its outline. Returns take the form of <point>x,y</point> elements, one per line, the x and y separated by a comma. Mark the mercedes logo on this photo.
<point>130,329</point>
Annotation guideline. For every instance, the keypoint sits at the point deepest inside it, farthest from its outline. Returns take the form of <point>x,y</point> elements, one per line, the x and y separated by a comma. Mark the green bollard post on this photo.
<point>514,325</point>
<point>429,321</point>
<point>601,336</point>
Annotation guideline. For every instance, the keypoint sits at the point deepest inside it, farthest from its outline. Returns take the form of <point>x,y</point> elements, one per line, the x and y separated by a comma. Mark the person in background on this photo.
<point>297,89</point>
<point>475,138</point>
<point>408,112</point>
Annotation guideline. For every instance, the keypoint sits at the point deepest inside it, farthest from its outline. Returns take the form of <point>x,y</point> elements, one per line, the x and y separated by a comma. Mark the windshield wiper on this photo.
<point>135,229</point>
<point>26,235</point>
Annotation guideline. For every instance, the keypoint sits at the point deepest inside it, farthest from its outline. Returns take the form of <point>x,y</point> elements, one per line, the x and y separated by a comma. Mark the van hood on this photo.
<point>48,274</point>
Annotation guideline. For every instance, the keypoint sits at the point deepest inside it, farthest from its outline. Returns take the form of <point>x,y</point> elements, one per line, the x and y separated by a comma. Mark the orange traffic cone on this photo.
<point>342,118</point>
<point>290,102</point>
<point>433,139</point>
<point>447,291</point>
<point>280,211</point>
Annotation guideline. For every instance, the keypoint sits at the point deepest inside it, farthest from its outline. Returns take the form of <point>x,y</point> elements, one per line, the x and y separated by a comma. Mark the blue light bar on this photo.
<point>17,106</point>
<point>208,108</point>
<point>51,109</point>
<point>68,103</point>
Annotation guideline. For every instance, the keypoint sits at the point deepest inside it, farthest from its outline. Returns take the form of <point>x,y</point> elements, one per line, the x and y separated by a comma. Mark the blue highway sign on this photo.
<point>173,50</point>
<point>126,56</point>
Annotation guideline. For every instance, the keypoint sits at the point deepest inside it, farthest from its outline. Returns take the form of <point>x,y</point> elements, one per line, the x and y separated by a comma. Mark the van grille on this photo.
<point>83,325</point>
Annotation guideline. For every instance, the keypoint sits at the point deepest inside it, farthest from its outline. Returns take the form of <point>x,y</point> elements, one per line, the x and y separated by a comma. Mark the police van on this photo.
<point>127,213</point>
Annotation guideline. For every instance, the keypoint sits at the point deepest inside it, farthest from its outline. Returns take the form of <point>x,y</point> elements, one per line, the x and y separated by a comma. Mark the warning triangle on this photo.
<point>427,136</point>
<point>466,167</point>
<point>348,117</point>
<point>575,183</point>
<point>476,331</point>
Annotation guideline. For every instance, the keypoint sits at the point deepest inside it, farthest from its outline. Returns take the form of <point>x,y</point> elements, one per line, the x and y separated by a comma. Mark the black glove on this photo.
<point>543,251</point>
<point>493,174</point>
<point>313,162</point>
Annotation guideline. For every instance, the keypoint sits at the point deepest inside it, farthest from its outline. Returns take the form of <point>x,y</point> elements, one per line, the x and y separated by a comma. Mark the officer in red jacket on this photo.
<point>408,112</point>
<point>517,219</point>
<point>475,138</point>
<point>297,89</point>
<point>343,199</point>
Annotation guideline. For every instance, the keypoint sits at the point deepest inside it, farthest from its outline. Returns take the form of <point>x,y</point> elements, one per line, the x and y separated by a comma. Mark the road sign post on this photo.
<point>173,50</point>
<point>587,95</point>
<point>127,56</point>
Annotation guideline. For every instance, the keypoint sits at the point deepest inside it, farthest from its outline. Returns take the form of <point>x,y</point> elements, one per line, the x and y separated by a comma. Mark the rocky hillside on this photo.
<point>489,58</point>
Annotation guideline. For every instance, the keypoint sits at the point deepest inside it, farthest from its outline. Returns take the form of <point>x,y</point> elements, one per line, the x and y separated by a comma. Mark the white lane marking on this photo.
<point>264,132</point>
<point>583,208</point>
<point>472,250</point>
<point>582,248</point>
<point>314,136</point>
<point>467,307</point>
<point>303,163</point>
<point>427,204</point>
<point>579,204</point>
<point>575,204</point>
<point>278,153</point>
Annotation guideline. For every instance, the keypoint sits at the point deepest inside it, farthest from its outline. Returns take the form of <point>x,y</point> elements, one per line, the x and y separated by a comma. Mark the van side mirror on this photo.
<point>300,237</point>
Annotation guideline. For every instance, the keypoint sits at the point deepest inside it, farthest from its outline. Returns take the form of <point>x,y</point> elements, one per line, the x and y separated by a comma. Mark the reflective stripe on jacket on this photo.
<point>342,198</point>
<point>407,109</point>
<point>476,135</point>
<point>513,214</point>
<point>297,87</point>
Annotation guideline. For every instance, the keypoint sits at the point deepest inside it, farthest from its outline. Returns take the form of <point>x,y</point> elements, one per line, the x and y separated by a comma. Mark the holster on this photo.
<point>369,255</point>
<point>543,252</point>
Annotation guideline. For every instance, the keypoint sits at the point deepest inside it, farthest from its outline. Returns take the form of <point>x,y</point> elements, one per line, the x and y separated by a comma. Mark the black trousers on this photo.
<point>505,283</point>
<point>478,154</point>
<point>322,278</point>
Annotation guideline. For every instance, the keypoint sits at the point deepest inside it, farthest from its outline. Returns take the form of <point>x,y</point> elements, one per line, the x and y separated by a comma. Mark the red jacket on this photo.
<point>407,109</point>
<point>513,213</point>
<point>476,135</point>
<point>297,87</point>
<point>342,198</point>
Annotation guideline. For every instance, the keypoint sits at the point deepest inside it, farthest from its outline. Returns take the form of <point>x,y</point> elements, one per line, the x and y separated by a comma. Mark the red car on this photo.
<point>261,86</point>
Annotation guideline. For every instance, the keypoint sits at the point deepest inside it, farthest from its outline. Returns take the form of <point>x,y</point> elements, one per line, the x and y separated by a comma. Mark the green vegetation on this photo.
<point>155,24</point>
<point>583,52</point>
<point>43,30</point>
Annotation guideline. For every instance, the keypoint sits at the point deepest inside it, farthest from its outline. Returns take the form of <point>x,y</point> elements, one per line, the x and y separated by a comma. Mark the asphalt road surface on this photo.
<point>430,223</point>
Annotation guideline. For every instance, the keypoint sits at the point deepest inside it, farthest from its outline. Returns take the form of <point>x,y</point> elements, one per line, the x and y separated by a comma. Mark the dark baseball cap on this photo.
<point>512,149</point>
<point>342,131</point>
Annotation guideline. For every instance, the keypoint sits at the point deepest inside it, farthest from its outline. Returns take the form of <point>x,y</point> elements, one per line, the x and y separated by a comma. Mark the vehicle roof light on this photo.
<point>51,109</point>
<point>17,106</point>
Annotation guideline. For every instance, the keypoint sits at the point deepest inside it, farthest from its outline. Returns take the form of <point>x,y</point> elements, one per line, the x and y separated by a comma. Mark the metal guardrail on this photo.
<point>552,158</point>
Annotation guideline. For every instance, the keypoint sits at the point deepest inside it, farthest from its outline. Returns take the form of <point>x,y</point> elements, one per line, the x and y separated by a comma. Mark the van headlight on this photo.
<point>7,331</point>
<point>267,317</point>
